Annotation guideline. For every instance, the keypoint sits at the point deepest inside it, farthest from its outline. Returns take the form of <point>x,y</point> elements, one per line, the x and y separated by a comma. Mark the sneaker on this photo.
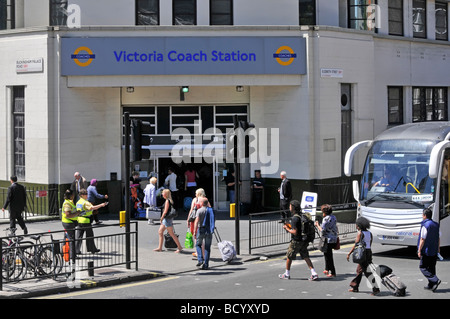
<point>313,278</point>
<point>284,276</point>
<point>205,267</point>
<point>200,263</point>
<point>434,287</point>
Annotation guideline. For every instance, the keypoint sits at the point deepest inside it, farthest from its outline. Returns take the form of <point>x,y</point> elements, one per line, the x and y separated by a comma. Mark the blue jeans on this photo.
<point>202,235</point>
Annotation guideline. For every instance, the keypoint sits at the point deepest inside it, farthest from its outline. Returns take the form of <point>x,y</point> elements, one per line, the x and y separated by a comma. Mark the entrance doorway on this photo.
<point>205,179</point>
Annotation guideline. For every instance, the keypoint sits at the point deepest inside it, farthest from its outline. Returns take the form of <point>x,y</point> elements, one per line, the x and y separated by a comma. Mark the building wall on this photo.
<point>13,48</point>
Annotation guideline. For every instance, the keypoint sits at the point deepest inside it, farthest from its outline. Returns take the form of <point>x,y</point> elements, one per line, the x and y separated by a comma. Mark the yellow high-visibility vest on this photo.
<point>73,209</point>
<point>80,207</point>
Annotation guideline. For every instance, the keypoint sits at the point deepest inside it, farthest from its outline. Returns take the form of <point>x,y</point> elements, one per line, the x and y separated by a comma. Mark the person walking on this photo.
<point>285,191</point>
<point>78,184</point>
<point>428,247</point>
<point>93,196</point>
<point>69,219</point>
<point>297,244</point>
<point>16,199</point>
<point>167,223</point>
<point>150,196</point>
<point>362,226</point>
<point>84,222</point>
<point>203,230</point>
<point>257,192</point>
<point>171,183</point>
<point>329,231</point>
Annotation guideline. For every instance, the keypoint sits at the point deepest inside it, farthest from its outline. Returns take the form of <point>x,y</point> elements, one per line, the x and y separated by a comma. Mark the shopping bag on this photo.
<point>189,241</point>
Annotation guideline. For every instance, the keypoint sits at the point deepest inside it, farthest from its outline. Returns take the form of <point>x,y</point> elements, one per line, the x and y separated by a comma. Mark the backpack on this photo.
<point>209,220</point>
<point>308,228</point>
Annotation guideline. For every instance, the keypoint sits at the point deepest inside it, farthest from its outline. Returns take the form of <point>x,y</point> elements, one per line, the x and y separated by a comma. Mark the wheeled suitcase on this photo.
<point>226,248</point>
<point>169,242</point>
<point>153,213</point>
<point>393,283</point>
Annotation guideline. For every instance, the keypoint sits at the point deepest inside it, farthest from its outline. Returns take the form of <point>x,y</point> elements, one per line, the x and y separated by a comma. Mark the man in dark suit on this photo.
<point>17,201</point>
<point>285,191</point>
<point>78,183</point>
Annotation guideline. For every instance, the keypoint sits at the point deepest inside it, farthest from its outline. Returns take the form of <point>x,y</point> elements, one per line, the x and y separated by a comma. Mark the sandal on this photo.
<point>353,290</point>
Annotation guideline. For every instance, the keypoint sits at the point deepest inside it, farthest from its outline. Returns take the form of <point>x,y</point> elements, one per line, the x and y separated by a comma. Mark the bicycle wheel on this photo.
<point>13,264</point>
<point>47,261</point>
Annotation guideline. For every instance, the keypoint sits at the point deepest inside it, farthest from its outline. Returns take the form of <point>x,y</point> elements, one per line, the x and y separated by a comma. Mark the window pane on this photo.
<point>3,14</point>
<point>307,12</point>
<point>184,12</point>
<point>395,105</point>
<point>58,12</point>
<point>441,21</point>
<point>358,15</point>
<point>419,19</point>
<point>148,12</point>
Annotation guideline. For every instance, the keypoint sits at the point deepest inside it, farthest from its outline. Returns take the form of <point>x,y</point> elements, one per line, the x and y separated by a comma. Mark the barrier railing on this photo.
<point>266,229</point>
<point>43,255</point>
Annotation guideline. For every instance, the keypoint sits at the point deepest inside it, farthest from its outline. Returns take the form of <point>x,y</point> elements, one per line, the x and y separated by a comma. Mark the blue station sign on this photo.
<point>183,55</point>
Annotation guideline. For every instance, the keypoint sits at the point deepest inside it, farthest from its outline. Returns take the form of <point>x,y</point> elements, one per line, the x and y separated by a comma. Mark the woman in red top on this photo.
<point>190,182</point>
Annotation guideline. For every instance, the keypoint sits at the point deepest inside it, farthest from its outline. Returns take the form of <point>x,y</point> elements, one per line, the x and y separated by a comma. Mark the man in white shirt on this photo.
<point>171,183</point>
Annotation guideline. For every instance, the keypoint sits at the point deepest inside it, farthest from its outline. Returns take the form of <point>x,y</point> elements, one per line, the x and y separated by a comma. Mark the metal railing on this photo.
<point>266,229</point>
<point>41,201</point>
<point>42,255</point>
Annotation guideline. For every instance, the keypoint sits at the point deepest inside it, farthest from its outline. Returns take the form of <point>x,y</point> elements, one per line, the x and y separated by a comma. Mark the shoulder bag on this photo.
<point>359,253</point>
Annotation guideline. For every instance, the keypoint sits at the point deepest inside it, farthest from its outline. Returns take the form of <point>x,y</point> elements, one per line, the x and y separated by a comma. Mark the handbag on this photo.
<point>323,244</point>
<point>193,215</point>
<point>189,241</point>
<point>359,253</point>
<point>338,244</point>
<point>172,213</point>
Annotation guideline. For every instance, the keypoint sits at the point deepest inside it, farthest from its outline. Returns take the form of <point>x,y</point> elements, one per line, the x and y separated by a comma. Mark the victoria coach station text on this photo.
<point>175,56</point>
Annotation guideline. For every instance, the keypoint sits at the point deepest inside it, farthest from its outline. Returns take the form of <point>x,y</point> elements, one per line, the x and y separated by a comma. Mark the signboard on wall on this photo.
<point>30,65</point>
<point>183,55</point>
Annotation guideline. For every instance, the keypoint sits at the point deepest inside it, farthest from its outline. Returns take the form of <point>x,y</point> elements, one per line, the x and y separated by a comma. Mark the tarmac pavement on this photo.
<point>151,264</point>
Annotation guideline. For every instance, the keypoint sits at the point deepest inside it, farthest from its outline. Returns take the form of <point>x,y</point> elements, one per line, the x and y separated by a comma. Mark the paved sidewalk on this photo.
<point>151,264</point>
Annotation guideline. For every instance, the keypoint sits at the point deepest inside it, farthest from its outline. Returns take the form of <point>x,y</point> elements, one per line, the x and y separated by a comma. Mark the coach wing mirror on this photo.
<point>435,158</point>
<point>355,185</point>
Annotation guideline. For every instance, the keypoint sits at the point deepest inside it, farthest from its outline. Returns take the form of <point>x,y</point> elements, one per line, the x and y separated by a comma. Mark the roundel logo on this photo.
<point>83,56</point>
<point>285,55</point>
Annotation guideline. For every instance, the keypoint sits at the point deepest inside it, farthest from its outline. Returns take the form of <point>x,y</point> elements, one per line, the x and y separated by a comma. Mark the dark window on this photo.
<point>221,12</point>
<point>430,104</point>
<point>147,12</point>
<point>7,14</point>
<point>184,12</point>
<point>58,12</point>
<point>163,120</point>
<point>358,15</point>
<point>18,113</point>
<point>441,21</point>
<point>395,16</point>
<point>419,19</point>
<point>395,105</point>
<point>307,12</point>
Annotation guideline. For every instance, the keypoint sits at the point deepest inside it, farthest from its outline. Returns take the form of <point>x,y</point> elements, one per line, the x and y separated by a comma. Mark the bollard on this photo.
<point>91,269</point>
<point>122,218</point>
<point>232,210</point>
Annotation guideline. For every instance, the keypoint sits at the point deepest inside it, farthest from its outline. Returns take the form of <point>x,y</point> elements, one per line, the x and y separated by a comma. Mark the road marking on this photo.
<point>97,290</point>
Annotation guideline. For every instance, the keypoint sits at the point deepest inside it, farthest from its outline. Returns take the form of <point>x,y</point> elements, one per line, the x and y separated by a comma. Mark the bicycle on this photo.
<point>39,258</point>
<point>13,261</point>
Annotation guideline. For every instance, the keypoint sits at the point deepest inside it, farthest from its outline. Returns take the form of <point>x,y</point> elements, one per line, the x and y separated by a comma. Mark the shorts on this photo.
<point>296,247</point>
<point>168,222</point>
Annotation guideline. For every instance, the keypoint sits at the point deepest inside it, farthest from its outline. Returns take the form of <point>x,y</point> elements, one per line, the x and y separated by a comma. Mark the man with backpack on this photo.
<point>302,231</point>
